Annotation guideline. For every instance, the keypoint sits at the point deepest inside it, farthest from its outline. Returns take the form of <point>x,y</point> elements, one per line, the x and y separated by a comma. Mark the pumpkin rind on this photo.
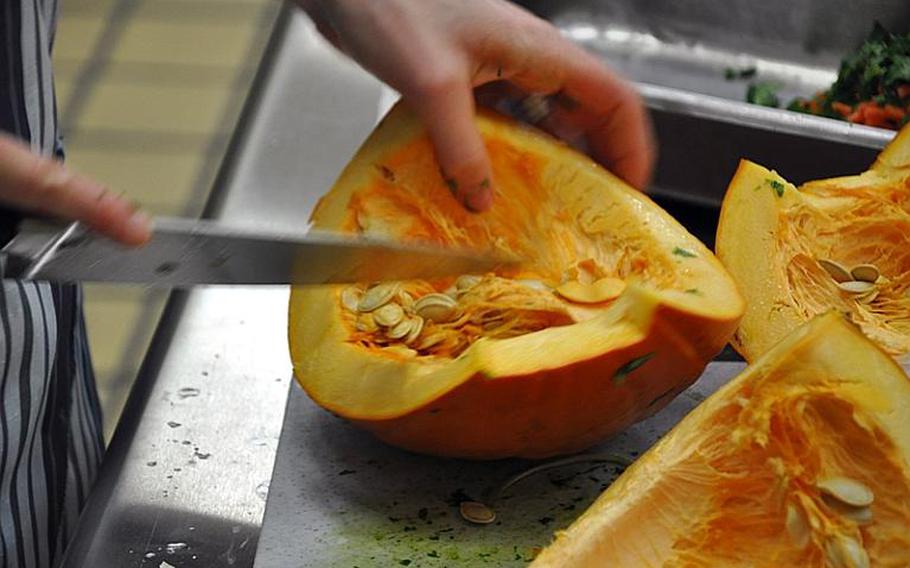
<point>729,485</point>
<point>552,391</point>
<point>776,238</point>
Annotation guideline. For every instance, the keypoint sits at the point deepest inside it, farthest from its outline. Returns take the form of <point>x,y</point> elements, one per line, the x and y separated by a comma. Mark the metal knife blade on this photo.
<point>188,252</point>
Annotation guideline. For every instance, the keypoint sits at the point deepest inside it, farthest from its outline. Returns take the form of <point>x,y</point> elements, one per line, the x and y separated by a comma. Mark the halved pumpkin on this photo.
<point>802,460</point>
<point>797,252</point>
<point>616,311</point>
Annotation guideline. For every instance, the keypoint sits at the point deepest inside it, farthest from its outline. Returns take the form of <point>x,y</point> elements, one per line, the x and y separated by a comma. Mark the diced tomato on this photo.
<point>840,108</point>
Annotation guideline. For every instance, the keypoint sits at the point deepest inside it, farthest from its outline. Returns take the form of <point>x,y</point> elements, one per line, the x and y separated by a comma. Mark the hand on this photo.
<point>434,52</point>
<point>44,186</point>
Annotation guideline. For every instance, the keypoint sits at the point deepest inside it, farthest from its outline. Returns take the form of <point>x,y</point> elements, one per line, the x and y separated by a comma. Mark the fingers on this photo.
<point>42,185</point>
<point>445,104</point>
<point>590,100</point>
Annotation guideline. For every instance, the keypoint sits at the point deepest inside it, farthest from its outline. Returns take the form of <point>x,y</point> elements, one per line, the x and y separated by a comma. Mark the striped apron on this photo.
<point>50,420</point>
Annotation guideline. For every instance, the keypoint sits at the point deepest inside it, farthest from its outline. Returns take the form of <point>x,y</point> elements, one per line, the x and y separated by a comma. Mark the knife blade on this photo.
<point>189,252</point>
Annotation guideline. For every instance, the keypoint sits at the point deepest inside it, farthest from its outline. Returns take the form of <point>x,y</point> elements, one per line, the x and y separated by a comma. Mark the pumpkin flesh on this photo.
<point>718,489</point>
<point>520,370</point>
<point>772,235</point>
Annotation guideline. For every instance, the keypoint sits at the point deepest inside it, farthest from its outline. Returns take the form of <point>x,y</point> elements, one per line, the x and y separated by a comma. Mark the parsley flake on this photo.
<point>624,371</point>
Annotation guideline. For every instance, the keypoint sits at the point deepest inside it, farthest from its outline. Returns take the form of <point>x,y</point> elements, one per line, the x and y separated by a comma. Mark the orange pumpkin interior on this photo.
<point>772,236</point>
<point>825,403</point>
<point>652,296</point>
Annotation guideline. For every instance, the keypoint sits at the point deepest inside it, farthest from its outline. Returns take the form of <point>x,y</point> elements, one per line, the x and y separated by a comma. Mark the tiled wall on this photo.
<point>148,93</point>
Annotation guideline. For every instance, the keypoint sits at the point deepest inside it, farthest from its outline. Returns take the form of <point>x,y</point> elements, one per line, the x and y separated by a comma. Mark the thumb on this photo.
<point>446,107</point>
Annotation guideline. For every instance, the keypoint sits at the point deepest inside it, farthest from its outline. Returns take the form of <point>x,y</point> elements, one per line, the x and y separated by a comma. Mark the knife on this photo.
<point>188,252</point>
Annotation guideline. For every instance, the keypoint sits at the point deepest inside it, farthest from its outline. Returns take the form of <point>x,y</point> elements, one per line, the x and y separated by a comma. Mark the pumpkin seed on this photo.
<point>431,340</point>
<point>836,270</point>
<point>405,298</point>
<point>476,512</point>
<point>467,281</point>
<point>416,326</point>
<point>867,298</point>
<point>856,286</point>
<point>388,315</point>
<point>845,552</point>
<point>366,323</point>
<point>602,290</point>
<point>797,525</point>
<point>350,297</point>
<point>865,272</point>
<point>859,515</point>
<point>400,350</point>
<point>399,330</point>
<point>436,307</point>
<point>377,296</point>
<point>847,491</point>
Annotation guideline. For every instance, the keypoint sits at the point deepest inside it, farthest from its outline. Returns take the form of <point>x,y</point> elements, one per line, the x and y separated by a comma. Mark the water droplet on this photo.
<point>187,392</point>
<point>262,490</point>
<point>173,424</point>
<point>175,547</point>
<point>150,555</point>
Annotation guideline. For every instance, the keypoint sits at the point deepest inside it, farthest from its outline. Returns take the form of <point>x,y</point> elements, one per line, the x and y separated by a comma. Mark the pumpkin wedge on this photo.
<point>841,243</point>
<point>616,310</point>
<point>802,460</point>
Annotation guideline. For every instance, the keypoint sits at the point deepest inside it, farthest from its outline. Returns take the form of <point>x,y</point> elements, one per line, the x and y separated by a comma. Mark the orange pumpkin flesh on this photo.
<point>772,235</point>
<point>526,372</point>
<point>823,404</point>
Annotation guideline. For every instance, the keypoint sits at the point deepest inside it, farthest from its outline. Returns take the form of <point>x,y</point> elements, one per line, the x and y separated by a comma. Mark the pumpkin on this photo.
<point>841,243</point>
<point>615,310</point>
<point>802,460</point>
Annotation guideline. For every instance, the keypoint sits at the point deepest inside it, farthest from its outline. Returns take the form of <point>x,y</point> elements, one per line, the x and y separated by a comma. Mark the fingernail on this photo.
<point>138,228</point>
<point>480,198</point>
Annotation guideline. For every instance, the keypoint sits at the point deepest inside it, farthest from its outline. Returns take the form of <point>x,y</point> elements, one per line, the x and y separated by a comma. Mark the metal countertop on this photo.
<point>186,475</point>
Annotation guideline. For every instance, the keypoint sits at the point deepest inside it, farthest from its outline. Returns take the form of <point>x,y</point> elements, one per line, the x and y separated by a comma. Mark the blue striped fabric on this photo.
<point>50,426</point>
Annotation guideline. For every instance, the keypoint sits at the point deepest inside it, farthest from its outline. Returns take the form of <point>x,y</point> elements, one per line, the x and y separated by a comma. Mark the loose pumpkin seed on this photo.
<point>377,296</point>
<point>476,512</point>
<point>350,298</point>
<point>388,315</point>
<point>856,286</point>
<point>836,270</point>
<point>859,515</point>
<point>797,525</point>
<point>399,330</point>
<point>846,490</point>
<point>865,272</point>
<point>603,290</point>
<point>436,307</point>
<point>845,552</point>
<point>416,326</point>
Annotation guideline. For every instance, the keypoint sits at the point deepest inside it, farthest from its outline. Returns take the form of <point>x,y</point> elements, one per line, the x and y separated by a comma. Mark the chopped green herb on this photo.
<point>678,251</point>
<point>695,291</point>
<point>405,562</point>
<point>764,94</point>
<point>620,375</point>
<point>433,554</point>
<point>777,186</point>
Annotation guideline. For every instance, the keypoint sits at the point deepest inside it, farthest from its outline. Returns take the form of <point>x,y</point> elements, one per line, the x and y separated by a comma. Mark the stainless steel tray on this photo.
<point>677,53</point>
